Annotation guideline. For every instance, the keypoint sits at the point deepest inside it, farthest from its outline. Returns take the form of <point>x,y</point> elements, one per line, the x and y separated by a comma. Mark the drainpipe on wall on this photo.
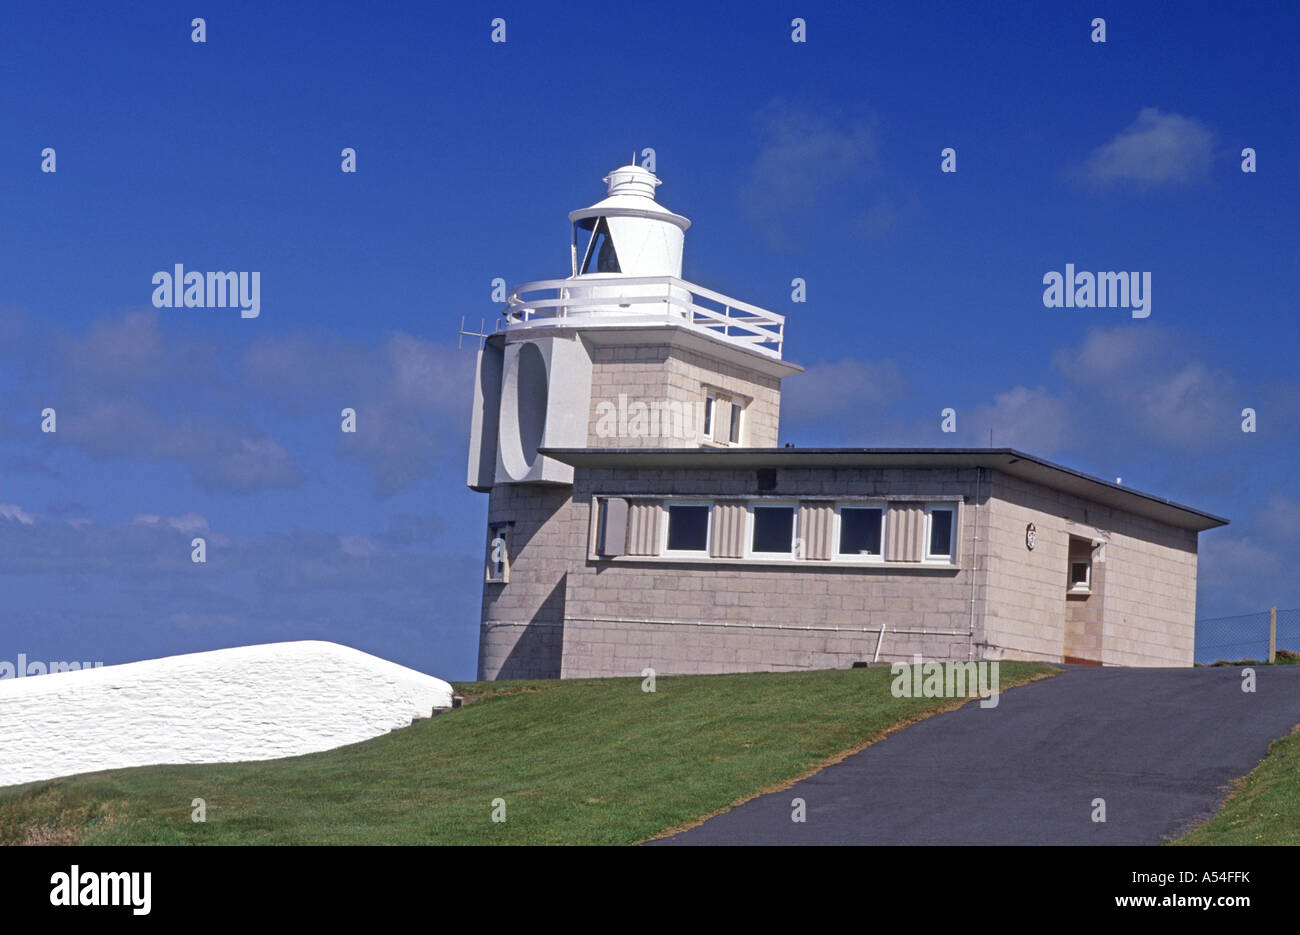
<point>974,563</point>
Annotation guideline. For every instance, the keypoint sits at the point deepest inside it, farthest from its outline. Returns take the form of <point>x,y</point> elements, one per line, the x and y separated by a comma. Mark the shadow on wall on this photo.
<point>538,652</point>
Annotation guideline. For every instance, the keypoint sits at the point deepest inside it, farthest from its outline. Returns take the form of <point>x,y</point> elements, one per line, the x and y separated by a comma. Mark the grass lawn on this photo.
<point>591,761</point>
<point>1265,808</point>
<point>1283,657</point>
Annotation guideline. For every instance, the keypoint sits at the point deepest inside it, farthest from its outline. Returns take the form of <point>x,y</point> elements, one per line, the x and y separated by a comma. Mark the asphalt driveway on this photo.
<point>1161,746</point>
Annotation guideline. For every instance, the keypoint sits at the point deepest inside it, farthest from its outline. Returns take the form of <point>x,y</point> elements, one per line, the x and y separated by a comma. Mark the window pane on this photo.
<point>600,252</point>
<point>860,531</point>
<point>773,529</point>
<point>498,551</point>
<point>688,528</point>
<point>1078,573</point>
<point>941,532</point>
<point>735,424</point>
<point>708,416</point>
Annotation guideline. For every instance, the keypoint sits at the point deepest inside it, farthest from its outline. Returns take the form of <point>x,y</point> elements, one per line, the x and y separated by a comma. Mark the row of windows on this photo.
<point>858,531</point>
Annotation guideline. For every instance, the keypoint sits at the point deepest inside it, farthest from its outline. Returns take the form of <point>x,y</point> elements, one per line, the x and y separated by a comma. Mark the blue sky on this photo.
<point>817,160</point>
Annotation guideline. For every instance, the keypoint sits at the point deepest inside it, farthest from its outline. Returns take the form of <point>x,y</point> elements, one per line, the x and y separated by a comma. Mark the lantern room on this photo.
<point>627,233</point>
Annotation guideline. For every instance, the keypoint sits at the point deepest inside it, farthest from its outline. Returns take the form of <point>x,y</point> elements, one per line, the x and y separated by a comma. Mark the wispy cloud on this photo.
<point>1146,385</point>
<point>125,389</point>
<point>1156,149</point>
<point>1028,418</point>
<point>810,161</point>
<point>129,389</point>
<point>831,390</point>
<point>1118,391</point>
<point>408,394</point>
<point>85,583</point>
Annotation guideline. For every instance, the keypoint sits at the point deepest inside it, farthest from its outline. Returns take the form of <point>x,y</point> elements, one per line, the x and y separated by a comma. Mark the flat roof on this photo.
<point>1009,460</point>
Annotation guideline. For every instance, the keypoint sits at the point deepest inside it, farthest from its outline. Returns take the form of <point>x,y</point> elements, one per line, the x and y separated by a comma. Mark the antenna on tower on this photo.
<point>480,334</point>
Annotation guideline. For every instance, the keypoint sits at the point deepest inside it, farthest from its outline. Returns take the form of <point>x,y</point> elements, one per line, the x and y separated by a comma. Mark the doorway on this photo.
<point>1084,595</point>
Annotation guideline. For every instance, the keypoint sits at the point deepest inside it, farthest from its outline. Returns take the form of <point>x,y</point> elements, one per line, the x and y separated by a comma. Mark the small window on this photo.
<point>862,531</point>
<point>686,528</point>
<point>772,529</point>
<point>1079,566</point>
<point>939,533</point>
<point>498,552</point>
<point>708,416</point>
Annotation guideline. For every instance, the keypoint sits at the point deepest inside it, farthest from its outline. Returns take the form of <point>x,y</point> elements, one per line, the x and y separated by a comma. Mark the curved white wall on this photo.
<point>247,703</point>
<point>646,246</point>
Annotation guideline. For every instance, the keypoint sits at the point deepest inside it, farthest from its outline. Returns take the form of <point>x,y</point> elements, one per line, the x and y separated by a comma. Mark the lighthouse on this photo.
<point>620,353</point>
<point>563,343</point>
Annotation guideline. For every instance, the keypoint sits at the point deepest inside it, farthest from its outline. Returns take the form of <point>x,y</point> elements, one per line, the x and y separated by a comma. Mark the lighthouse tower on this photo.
<point>622,353</point>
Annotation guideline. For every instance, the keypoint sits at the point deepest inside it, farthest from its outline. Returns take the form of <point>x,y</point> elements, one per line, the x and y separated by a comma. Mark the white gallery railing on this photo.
<point>648,297</point>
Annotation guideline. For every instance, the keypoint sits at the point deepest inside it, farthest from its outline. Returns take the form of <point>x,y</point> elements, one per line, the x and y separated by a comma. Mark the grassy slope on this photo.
<point>1265,808</point>
<point>593,761</point>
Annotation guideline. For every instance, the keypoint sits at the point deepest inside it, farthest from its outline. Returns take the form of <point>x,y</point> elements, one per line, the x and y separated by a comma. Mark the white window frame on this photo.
<point>857,558</point>
<point>738,418</point>
<point>1086,586</point>
<point>793,505</point>
<point>945,558</point>
<point>669,502</point>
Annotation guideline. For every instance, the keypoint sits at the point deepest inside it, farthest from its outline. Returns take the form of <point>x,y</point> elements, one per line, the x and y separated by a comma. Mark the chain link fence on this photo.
<point>1245,636</point>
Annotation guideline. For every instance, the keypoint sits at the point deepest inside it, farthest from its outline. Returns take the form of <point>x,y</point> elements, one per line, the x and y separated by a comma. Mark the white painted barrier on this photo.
<point>247,703</point>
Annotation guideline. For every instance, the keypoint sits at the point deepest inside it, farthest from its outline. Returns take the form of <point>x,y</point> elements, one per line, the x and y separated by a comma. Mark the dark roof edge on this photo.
<point>794,454</point>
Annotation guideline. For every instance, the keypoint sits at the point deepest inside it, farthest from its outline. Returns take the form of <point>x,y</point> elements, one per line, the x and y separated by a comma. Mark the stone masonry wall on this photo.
<point>522,626</point>
<point>566,614</point>
<point>656,374</point>
<point>624,615</point>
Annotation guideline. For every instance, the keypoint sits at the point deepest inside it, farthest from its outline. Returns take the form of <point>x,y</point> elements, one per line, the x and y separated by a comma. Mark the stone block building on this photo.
<point>641,515</point>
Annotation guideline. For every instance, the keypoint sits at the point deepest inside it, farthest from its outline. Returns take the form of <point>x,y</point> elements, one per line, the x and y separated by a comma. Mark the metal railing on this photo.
<point>1247,636</point>
<point>681,302</point>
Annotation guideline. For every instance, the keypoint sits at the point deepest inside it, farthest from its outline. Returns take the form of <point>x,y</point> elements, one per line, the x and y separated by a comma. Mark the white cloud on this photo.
<point>128,389</point>
<point>16,513</point>
<point>409,395</point>
<point>357,546</point>
<point>1156,149</point>
<point>1029,419</point>
<point>1236,563</point>
<point>1280,517</point>
<point>188,523</point>
<point>829,389</point>
<point>1146,383</point>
